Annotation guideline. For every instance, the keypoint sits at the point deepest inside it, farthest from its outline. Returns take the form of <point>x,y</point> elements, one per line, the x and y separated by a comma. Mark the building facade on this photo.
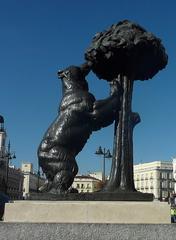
<point>97,175</point>
<point>3,156</point>
<point>3,136</point>
<point>174,173</point>
<point>32,181</point>
<point>15,183</point>
<point>11,178</point>
<point>14,187</point>
<point>154,177</point>
<point>86,184</point>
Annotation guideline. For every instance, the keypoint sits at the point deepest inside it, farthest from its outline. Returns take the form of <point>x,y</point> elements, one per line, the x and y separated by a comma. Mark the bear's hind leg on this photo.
<point>64,176</point>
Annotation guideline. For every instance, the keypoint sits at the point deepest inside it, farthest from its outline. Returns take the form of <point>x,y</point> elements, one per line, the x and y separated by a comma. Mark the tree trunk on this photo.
<point>121,176</point>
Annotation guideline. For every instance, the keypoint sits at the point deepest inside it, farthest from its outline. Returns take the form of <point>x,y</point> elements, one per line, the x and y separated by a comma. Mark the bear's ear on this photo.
<point>61,74</point>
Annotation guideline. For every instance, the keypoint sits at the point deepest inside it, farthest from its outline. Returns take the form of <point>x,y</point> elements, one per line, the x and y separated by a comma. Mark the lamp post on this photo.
<point>8,156</point>
<point>38,179</point>
<point>106,154</point>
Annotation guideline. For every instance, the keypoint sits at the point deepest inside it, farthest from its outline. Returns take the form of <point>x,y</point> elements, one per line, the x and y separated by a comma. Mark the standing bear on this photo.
<point>78,116</point>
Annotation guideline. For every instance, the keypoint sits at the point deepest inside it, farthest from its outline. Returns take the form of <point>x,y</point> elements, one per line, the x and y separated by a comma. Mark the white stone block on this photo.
<point>87,212</point>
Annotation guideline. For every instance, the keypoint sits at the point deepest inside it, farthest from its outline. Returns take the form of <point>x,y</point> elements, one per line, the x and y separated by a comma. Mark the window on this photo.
<point>82,185</point>
<point>164,175</point>
<point>137,185</point>
<point>170,185</point>
<point>77,186</point>
<point>164,194</point>
<point>163,184</point>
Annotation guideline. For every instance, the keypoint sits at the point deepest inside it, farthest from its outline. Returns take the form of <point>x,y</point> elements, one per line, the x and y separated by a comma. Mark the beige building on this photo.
<point>97,175</point>
<point>174,173</point>
<point>11,178</point>
<point>86,184</point>
<point>154,177</point>
<point>32,181</point>
<point>15,182</point>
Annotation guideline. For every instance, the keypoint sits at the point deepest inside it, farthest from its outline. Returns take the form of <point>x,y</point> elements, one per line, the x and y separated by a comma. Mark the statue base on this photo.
<point>95,196</point>
<point>122,212</point>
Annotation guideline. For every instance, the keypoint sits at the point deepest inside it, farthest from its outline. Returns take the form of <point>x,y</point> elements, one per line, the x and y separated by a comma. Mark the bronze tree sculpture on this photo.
<point>125,52</point>
<point>79,114</point>
<point>122,54</point>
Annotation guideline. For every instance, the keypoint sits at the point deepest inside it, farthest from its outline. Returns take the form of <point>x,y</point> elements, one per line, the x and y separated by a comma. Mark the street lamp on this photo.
<point>106,154</point>
<point>38,179</point>
<point>8,156</point>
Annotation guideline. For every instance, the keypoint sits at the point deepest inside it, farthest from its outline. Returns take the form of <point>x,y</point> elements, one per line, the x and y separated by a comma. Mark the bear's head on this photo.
<point>73,78</point>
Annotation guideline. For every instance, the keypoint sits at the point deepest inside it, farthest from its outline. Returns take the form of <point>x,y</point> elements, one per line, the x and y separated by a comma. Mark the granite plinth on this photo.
<point>96,196</point>
<point>88,212</point>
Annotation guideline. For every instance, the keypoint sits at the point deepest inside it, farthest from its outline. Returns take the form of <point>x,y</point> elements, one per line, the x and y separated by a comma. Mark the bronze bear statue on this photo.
<point>79,115</point>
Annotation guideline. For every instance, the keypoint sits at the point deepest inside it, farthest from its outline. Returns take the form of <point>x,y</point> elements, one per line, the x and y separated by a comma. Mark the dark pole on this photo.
<point>7,167</point>
<point>104,153</point>
<point>38,176</point>
<point>9,156</point>
<point>160,186</point>
<point>7,175</point>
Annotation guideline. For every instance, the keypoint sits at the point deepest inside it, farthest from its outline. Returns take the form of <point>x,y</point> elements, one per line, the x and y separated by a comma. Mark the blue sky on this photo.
<point>40,37</point>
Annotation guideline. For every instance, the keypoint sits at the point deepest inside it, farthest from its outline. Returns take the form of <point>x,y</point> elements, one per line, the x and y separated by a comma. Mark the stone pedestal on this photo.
<point>87,212</point>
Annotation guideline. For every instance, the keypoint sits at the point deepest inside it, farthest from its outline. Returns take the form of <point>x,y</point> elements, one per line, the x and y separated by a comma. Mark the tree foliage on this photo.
<point>126,48</point>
